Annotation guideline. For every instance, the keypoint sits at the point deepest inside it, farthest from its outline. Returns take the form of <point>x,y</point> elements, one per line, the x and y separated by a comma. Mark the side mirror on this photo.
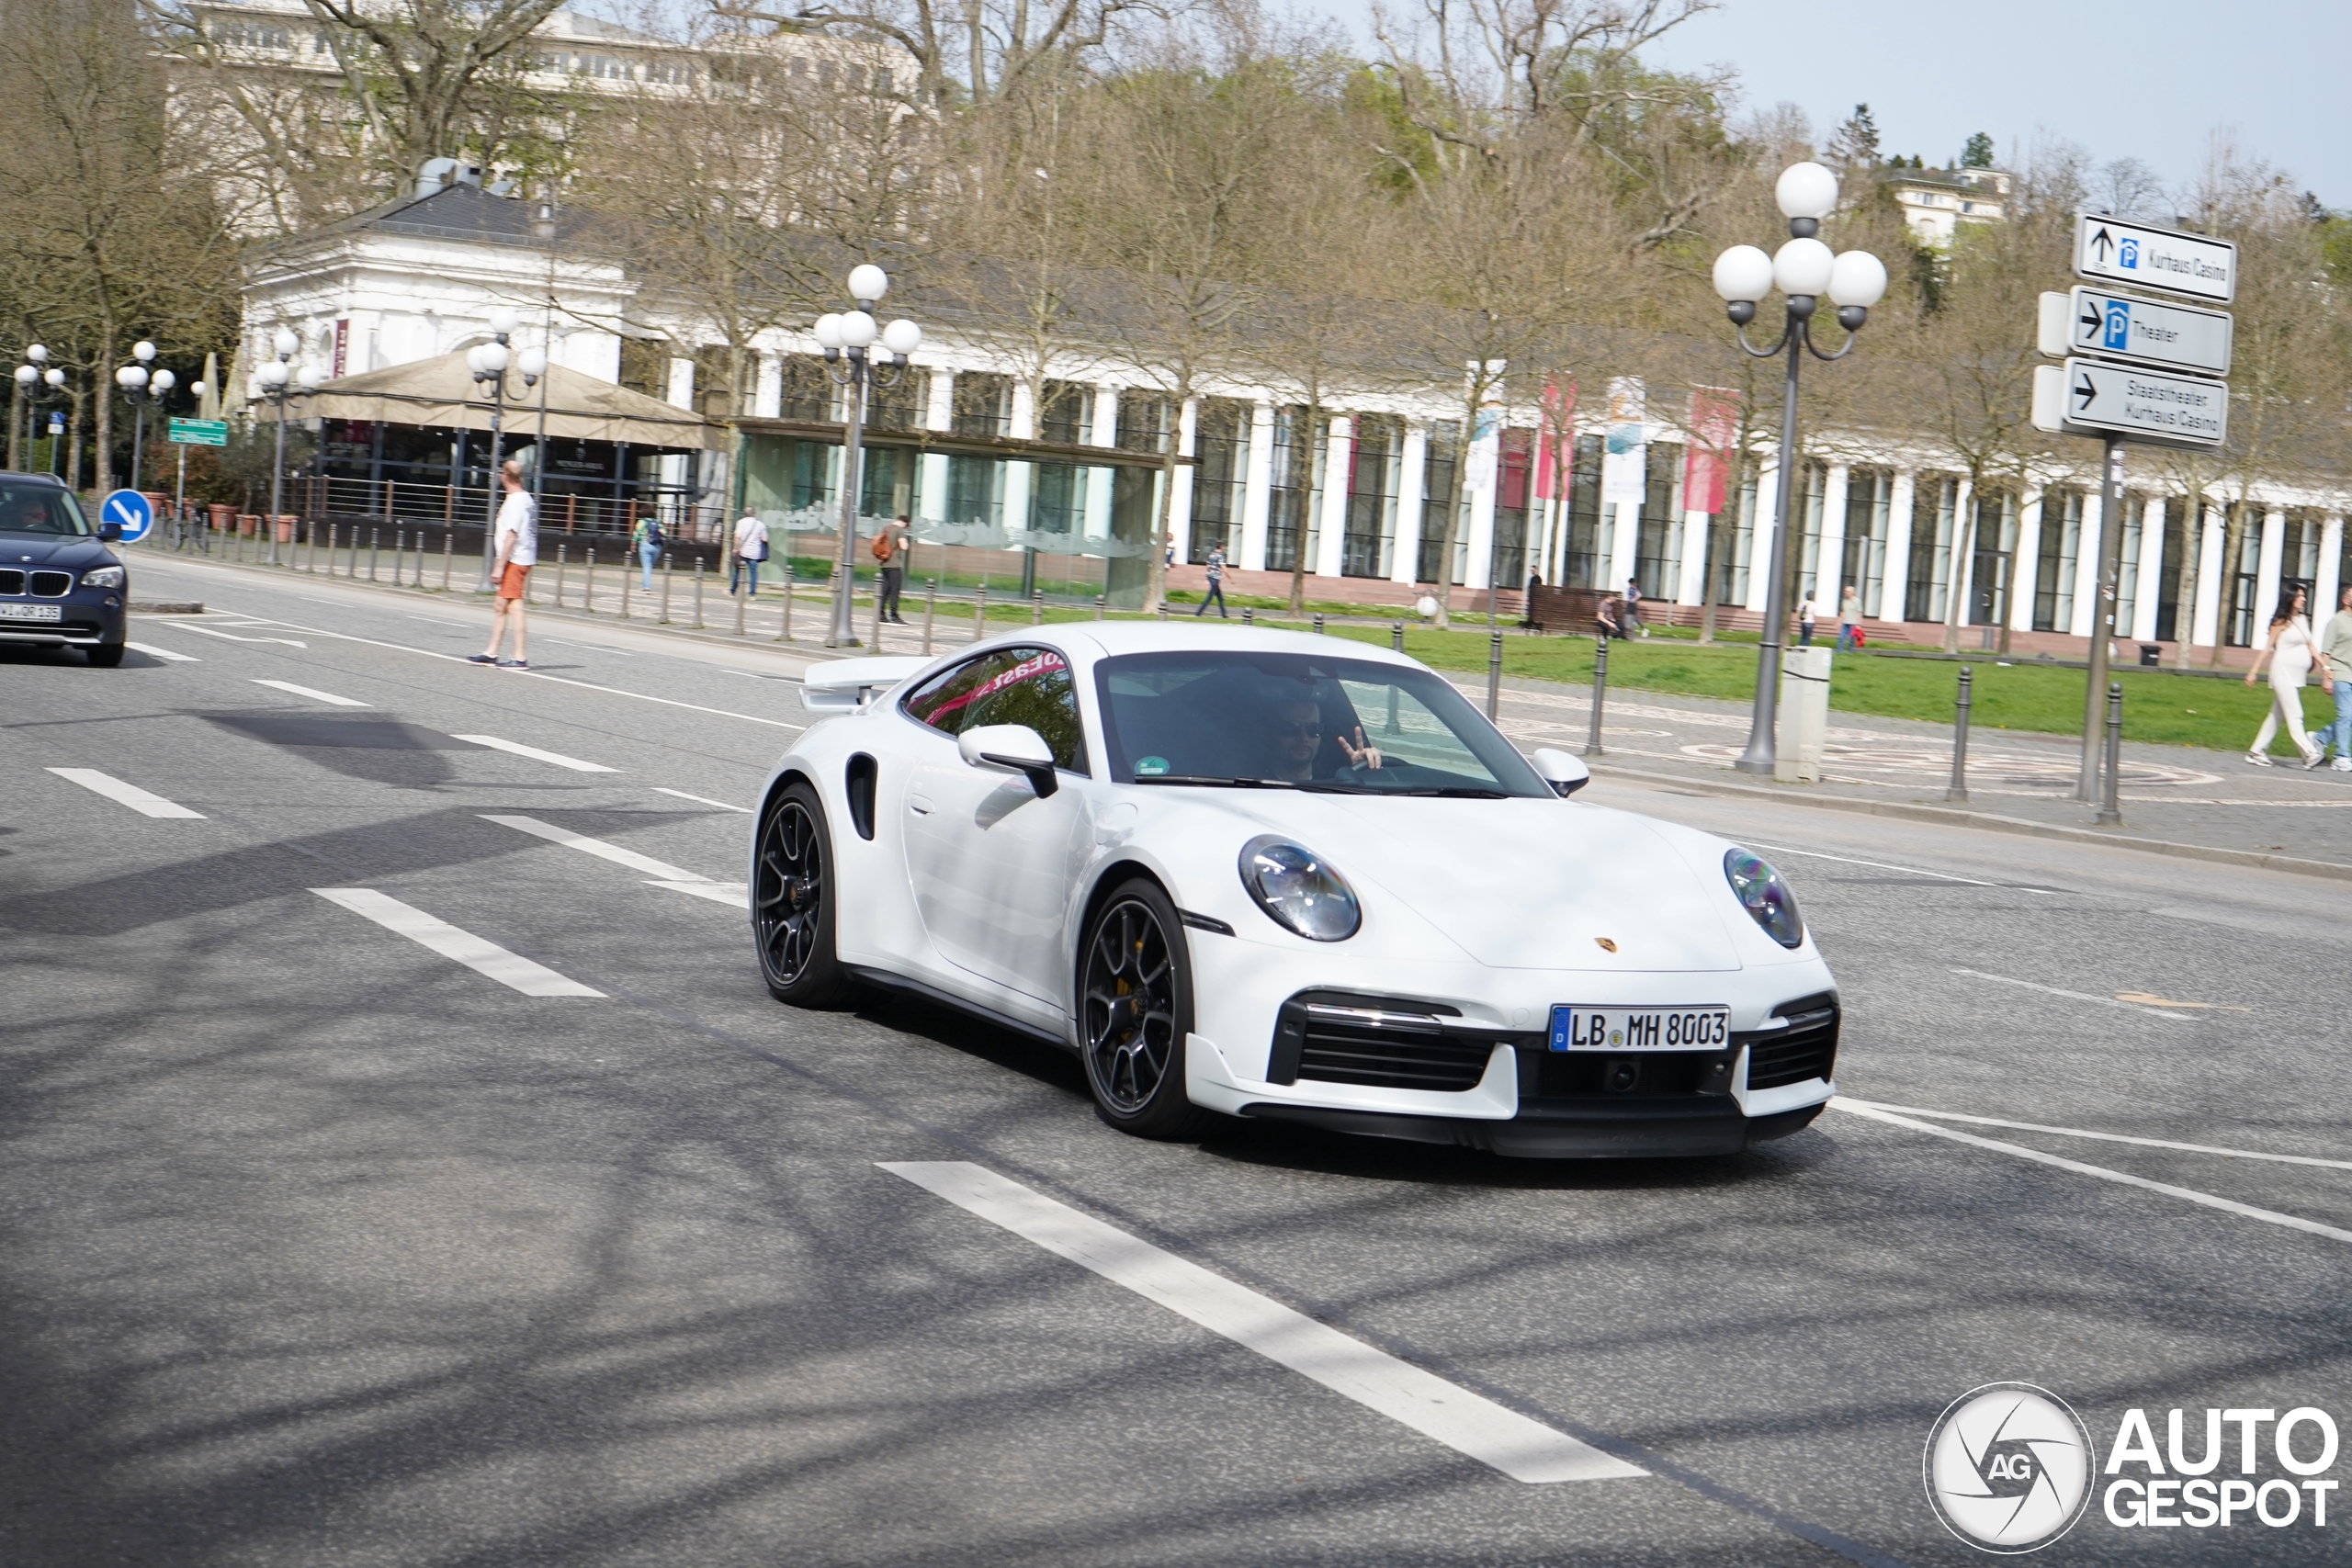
<point>1565,773</point>
<point>110,533</point>
<point>1016,749</point>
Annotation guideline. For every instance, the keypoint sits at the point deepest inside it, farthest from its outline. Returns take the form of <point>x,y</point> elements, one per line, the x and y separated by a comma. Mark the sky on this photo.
<point>2151,80</point>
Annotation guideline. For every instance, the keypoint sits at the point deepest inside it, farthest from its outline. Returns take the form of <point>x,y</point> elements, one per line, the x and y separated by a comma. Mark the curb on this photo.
<point>165,607</point>
<point>1990,822</point>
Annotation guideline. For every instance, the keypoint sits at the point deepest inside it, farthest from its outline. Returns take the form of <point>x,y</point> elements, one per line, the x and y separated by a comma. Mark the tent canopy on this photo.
<point>443,391</point>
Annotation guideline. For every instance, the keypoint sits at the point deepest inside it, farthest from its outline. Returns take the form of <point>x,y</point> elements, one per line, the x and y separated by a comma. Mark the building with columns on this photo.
<point>1064,476</point>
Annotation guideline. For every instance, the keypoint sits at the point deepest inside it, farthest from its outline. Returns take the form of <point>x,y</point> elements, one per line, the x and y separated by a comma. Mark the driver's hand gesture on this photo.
<point>1359,755</point>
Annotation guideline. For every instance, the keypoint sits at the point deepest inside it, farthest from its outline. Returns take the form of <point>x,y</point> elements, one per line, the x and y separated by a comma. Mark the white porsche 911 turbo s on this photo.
<point>1271,874</point>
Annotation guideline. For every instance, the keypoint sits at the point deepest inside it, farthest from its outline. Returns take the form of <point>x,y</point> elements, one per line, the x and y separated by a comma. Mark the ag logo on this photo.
<point>2009,1468</point>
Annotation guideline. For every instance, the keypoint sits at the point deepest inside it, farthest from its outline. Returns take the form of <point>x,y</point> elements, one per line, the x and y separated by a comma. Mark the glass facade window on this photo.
<point>981,404</point>
<point>1995,540</point>
<point>1514,487</point>
<point>1658,540</point>
<point>1934,501</point>
<point>2061,550</point>
<point>1220,471</point>
<point>807,393</point>
<point>1869,496</point>
<point>1376,461</point>
<point>1061,413</point>
<point>1734,549</point>
<point>2299,554</point>
<point>2127,576</point>
<point>1580,561</point>
<point>1815,494</point>
<point>2245,579</point>
<point>1147,421</point>
<point>902,403</point>
<point>2165,519</point>
<point>1057,499</point>
<point>1441,496</point>
<point>975,491</point>
<point>1290,507</point>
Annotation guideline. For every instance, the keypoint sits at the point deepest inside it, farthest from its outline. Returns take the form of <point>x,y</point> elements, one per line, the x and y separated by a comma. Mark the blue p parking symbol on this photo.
<point>2117,335</point>
<point>2129,255</point>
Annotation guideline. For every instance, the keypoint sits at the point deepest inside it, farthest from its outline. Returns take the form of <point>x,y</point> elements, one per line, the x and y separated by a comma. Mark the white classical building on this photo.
<point>962,445</point>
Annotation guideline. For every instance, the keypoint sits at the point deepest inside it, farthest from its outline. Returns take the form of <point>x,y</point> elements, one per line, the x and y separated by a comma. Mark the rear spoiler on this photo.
<point>844,685</point>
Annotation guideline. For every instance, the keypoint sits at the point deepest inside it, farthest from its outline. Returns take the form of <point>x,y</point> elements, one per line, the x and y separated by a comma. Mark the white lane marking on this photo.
<point>704,799</point>
<point>231,636</point>
<point>122,793</point>
<point>2106,1137</point>
<point>597,646</point>
<point>533,674</point>
<point>152,651</point>
<point>597,847</point>
<point>1912,870</point>
<point>518,748</point>
<point>434,619</point>
<point>477,953</point>
<point>313,693</point>
<point>2186,1194</point>
<point>2054,991</point>
<point>1469,1423</point>
<point>735,895</point>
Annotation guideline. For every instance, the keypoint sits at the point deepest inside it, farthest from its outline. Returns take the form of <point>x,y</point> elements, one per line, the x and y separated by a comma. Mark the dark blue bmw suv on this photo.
<point>60,586</point>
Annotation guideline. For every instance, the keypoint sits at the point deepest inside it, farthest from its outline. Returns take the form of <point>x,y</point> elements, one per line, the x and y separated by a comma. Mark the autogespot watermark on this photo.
<point>2010,1468</point>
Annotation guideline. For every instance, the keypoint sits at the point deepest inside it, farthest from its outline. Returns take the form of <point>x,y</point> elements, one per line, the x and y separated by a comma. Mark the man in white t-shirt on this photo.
<point>750,550</point>
<point>517,540</point>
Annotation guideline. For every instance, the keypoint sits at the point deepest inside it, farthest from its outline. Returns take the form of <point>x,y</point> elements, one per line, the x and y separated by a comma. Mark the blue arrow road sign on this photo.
<point>129,509</point>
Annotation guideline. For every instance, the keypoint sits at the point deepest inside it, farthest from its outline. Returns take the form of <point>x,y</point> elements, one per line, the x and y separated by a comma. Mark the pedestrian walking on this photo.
<point>1534,581</point>
<point>1805,622</point>
<point>2336,652</point>
<point>1849,618</point>
<point>2290,651</point>
<point>892,547</point>
<point>646,540</point>
<point>750,550</point>
<point>1216,585</point>
<point>1628,613</point>
<point>1607,615</point>
<point>518,551</point>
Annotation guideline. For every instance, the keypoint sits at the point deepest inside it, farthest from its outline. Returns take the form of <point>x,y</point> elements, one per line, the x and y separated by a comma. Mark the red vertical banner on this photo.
<point>341,345</point>
<point>1714,426</point>
<point>1555,451</point>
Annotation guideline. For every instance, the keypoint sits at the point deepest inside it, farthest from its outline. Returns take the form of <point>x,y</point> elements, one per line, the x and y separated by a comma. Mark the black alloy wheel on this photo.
<point>106,655</point>
<point>792,902</point>
<point>1134,1009</point>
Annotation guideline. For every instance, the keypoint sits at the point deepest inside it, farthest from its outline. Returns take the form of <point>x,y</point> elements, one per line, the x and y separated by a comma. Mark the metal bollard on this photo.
<point>1037,607</point>
<point>1397,635</point>
<point>562,554</point>
<point>1959,788</point>
<point>784,627</point>
<point>399,553</point>
<point>2110,806</point>
<point>1098,606</point>
<point>930,609</point>
<point>740,600</point>
<point>448,555</point>
<point>1600,694</point>
<point>1494,669</point>
<point>665,588</point>
<point>981,613</point>
<point>874,634</point>
<point>1163,609</point>
<point>1248,615</point>
<point>588,584</point>
<point>371,554</point>
<point>697,592</point>
<point>1318,623</point>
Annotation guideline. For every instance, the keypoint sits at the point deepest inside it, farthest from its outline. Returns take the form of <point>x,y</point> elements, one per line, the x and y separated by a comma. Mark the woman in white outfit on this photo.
<point>2291,653</point>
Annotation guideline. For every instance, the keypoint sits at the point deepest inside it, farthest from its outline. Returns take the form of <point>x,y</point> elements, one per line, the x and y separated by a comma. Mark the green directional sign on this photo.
<point>200,431</point>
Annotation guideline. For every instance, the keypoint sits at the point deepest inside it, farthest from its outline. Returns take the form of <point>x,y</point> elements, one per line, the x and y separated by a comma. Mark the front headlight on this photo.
<point>1765,897</point>
<point>1293,885</point>
<point>103,577</point>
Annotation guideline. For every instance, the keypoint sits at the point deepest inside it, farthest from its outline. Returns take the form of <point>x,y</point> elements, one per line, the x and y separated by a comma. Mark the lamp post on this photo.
<point>141,388</point>
<point>488,362</point>
<point>1804,270</point>
<point>278,381</point>
<point>38,384</point>
<point>847,339</point>
<point>543,229</point>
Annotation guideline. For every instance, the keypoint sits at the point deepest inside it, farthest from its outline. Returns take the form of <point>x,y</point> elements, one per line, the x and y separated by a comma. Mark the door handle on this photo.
<point>919,804</point>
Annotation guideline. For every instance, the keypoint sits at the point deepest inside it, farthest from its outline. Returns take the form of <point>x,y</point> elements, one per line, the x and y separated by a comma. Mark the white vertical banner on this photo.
<point>1624,476</point>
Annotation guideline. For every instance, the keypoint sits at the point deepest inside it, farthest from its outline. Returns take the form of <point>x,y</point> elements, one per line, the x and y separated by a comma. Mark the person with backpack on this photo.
<point>890,548</point>
<point>750,550</point>
<point>646,540</point>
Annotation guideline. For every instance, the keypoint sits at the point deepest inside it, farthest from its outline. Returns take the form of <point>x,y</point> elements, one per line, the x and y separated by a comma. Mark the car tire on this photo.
<point>1134,1009</point>
<point>793,897</point>
<point>106,655</point>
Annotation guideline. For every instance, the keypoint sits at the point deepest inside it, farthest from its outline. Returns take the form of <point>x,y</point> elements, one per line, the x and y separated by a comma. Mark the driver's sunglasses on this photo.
<point>1305,730</point>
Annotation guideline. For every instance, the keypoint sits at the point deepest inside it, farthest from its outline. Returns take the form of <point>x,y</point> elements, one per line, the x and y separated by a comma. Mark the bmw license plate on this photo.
<point>31,613</point>
<point>1576,1028</point>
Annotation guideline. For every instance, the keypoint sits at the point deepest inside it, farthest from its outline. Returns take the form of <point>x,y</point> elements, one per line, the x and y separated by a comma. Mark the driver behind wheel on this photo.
<point>1298,731</point>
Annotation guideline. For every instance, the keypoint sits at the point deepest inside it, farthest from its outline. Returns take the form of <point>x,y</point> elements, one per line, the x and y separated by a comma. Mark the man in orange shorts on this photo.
<point>518,551</point>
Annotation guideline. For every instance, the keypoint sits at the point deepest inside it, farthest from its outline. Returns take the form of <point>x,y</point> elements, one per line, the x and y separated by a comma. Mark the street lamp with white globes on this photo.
<point>141,387</point>
<point>1804,270</point>
<point>37,385</point>
<point>847,337</point>
<point>488,362</point>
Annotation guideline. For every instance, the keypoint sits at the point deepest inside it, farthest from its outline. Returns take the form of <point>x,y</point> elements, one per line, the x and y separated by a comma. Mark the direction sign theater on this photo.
<point>2109,250</point>
<point>2107,325</point>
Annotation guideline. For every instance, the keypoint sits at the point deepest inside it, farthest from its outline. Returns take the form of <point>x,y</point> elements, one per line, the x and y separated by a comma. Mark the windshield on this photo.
<point>39,509</point>
<point>1292,721</point>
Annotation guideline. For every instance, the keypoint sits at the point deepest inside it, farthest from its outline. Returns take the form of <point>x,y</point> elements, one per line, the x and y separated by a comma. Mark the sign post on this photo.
<point>188,432</point>
<point>2136,371</point>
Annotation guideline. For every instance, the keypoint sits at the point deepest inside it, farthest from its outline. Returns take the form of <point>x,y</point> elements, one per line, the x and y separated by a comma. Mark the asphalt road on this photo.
<point>321,1248</point>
